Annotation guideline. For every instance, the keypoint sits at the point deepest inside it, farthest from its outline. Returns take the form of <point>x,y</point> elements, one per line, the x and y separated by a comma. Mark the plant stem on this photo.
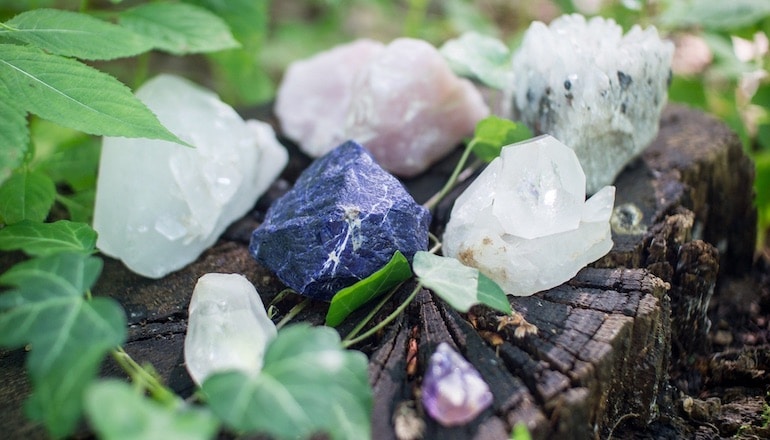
<point>292,313</point>
<point>374,311</point>
<point>347,342</point>
<point>450,183</point>
<point>144,378</point>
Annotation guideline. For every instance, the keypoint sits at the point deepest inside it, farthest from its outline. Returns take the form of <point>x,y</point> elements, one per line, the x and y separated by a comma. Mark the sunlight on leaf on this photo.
<point>351,298</point>
<point>117,411</point>
<point>14,134</point>
<point>27,195</point>
<point>493,133</point>
<point>459,285</point>
<point>42,239</point>
<point>480,57</point>
<point>308,383</point>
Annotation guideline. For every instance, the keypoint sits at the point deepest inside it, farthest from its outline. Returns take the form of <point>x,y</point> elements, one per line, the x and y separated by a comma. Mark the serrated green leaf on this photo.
<point>14,134</point>
<point>179,28</point>
<point>75,35</point>
<point>72,94</point>
<point>349,299</point>
<point>308,384</point>
<point>493,133</point>
<point>485,59</point>
<point>67,334</point>
<point>26,195</point>
<point>715,15</point>
<point>459,285</point>
<point>43,239</point>
<point>117,411</point>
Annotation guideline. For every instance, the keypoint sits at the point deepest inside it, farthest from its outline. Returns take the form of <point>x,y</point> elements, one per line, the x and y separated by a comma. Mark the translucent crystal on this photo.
<point>401,102</point>
<point>160,204</point>
<point>453,392</point>
<point>525,223</point>
<point>595,89</point>
<point>227,328</point>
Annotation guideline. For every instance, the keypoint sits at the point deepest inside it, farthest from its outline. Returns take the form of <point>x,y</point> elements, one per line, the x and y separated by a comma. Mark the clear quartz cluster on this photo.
<point>592,87</point>
<point>227,328</point>
<point>160,204</point>
<point>525,223</point>
<point>453,392</point>
<point>401,101</point>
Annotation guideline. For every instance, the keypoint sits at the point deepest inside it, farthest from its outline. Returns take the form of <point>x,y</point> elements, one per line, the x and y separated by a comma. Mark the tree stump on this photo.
<point>683,219</point>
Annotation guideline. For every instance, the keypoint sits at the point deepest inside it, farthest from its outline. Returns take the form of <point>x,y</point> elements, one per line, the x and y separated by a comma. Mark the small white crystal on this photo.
<point>401,102</point>
<point>525,223</point>
<point>227,328</point>
<point>595,89</point>
<point>160,204</point>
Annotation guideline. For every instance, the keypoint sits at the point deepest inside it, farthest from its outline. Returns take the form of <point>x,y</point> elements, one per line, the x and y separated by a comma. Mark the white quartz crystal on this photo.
<point>401,102</point>
<point>160,204</point>
<point>227,328</point>
<point>525,223</point>
<point>593,88</point>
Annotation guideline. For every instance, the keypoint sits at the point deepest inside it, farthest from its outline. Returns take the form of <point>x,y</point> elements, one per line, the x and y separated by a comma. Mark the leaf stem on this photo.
<point>292,313</point>
<point>347,342</point>
<point>374,311</point>
<point>144,378</point>
<point>450,183</point>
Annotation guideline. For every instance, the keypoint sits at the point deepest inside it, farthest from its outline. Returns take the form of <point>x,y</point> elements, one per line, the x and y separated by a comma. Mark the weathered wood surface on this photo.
<point>684,218</point>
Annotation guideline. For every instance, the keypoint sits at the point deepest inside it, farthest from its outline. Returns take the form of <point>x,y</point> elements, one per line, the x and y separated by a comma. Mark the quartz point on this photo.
<point>401,101</point>
<point>592,87</point>
<point>525,223</point>
<point>160,204</point>
<point>343,220</point>
<point>453,392</point>
<point>227,328</point>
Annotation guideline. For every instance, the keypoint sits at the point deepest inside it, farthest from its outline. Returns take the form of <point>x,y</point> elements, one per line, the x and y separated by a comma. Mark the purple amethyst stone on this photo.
<point>343,220</point>
<point>453,392</point>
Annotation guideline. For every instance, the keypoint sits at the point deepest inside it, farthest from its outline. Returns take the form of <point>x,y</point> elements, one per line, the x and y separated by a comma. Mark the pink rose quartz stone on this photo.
<point>402,102</point>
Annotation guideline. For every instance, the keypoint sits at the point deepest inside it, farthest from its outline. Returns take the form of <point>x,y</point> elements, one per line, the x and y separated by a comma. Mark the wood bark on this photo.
<point>683,219</point>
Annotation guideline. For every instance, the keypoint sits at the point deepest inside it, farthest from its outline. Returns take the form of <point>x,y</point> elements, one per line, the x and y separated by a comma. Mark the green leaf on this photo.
<point>715,15</point>
<point>79,205</point>
<point>479,57</point>
<point>74,163</point>
<point>75,35</point>
<point>351,298</point>
<point>68,335</point>
<point>493,133</point>
<point>14,134</point>
<point>72,94</point>
<point>27,195</point>
<point>459,285</point>
<point>179,28</point>
<point>42,239</point>
<point>308,384</point>
<point>117,411</point>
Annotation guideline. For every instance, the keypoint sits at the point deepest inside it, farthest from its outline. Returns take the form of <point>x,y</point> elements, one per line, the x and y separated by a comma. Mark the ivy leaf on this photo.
<point>479,57</point>
<point>308,384</point>
<point>72,94</point>
<point>76,35</point>
<point>117,411</point>
<point>27,195</point>
<point>68,335</point>
<point>14,134</point>
<point>459,285</point>
<point>493,133</point>
<point>43,239</point>
<point>179,28</point>
<point>351,298</point>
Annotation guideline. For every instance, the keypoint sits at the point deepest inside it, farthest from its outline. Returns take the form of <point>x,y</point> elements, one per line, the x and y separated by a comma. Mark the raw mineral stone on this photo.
<point>401,101</point>
<point>160,204</point>
<point>453,392</point>
<point>598,91</point>
<point>343,220</point>
<point>227,328</point>
<point>525,223</point>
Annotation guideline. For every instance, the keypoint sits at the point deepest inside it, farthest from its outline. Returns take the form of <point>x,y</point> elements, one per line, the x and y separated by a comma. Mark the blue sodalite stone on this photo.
<point>342,221</point>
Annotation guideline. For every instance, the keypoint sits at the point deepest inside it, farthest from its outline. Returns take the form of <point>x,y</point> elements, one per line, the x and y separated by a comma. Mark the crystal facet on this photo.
<point>525,223</point>
<point>343,220</point>
<point>227,328</point>
<point>160,204</point>
<point>453,392</point>
<point>595,89</point>
<point>401,101</point>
